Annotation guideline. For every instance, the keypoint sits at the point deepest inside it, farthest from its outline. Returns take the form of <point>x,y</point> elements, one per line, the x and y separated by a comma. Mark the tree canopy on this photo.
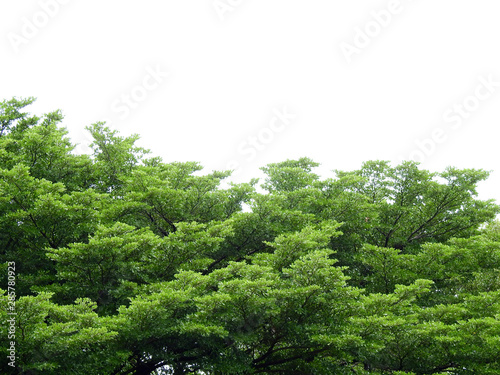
<point>119,263</point>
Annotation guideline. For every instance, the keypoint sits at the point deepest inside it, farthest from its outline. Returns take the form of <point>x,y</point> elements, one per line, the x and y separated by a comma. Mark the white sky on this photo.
<point>232,64</point>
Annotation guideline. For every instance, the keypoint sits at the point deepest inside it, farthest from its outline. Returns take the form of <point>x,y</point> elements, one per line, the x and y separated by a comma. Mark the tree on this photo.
<point>120,264</point>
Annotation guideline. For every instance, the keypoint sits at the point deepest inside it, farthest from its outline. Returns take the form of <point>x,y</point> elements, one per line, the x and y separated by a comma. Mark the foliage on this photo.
<point>126,264</point>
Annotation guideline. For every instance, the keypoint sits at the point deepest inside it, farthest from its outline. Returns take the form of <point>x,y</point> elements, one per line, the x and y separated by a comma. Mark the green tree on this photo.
<point>117,263</point>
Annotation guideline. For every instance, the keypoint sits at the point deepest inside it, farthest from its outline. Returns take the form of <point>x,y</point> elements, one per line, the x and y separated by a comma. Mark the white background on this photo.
<point>231,64</point>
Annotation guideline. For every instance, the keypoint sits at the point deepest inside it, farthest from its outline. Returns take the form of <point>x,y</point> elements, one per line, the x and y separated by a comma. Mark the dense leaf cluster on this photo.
<point>129,265</point>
